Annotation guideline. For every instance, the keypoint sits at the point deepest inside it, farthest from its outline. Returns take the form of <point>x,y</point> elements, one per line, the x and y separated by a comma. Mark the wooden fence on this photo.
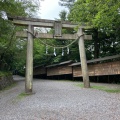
<point>102,68</point>
<point>59,69</point>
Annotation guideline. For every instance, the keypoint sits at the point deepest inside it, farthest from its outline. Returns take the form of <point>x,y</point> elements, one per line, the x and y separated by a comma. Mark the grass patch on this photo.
<point>99,87</point>
<point>103,88</point>
<point>112,91</point>
<point>22,95</point>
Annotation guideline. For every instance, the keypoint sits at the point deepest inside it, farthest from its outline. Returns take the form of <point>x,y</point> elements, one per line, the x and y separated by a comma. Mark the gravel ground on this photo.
<point>58,100</point>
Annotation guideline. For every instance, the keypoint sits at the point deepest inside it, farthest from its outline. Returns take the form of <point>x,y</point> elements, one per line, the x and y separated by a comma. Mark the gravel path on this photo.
<point>58,100</point>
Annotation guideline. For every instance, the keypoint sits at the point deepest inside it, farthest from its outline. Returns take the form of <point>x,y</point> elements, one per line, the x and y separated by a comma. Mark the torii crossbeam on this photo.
<point>57,25</point>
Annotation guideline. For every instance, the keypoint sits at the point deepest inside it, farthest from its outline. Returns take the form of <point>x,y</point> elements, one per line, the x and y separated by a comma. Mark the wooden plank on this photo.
<point>57,28</point>
<point>46,23</point>
<point>29,62</point>
<point>105,58</point>
<point>91,71</point>
<point>24,21</point>
<point>65,70</point>
<point>59,70</point>
<point>39,71</point>
<point>98,60</point>
<point>22,34</point>
<point>33,23</point>
<point>36,19</point>
<point>109,68</point>
<point>50,36</point>
<point>52,71</point>
<point>87,37</point>
<point>77,72</point>
<point>83,59</point>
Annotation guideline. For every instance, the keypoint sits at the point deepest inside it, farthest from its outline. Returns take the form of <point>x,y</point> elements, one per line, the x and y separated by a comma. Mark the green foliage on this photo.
<point>19,7</point>
<point>4,73</point>
<point>12,49</point>
<point>63,15</point>
<point>39,53</point>
<point>67,3</point>
<point>22,95</point>
<point>99,13</point>
<point>40,56</point>
<point>104,18</point>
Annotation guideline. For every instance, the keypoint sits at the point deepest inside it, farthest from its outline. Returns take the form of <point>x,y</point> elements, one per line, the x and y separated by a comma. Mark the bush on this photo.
<point>5,73</point>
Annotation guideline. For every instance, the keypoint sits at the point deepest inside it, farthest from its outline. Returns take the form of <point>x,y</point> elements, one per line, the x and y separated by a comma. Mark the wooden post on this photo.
<point>29,62</point>
<point>83,59</point>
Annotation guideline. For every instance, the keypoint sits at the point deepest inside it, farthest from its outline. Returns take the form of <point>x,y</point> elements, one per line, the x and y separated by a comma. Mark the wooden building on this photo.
<point>107,66</point>
<point>105,69</point>
<point>60,71</point>
<point>39,71</point>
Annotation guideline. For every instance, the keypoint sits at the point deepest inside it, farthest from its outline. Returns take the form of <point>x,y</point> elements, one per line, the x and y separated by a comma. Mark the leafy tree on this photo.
<point>104,18</point>
<point>10,46</point>
<point>99,13</point>
<point>67,3</point>
<point>63,15</point>
<point>62,53</point>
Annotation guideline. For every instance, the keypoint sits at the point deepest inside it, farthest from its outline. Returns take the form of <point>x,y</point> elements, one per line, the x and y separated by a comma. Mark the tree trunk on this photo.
<point>96,44</point>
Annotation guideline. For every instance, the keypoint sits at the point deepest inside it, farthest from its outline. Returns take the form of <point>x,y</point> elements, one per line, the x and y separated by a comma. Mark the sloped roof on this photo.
<point>59,64</point>
<point>97,60</point>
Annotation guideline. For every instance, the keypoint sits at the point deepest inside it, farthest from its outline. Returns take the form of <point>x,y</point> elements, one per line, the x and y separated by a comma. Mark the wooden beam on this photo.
<point>98,60</point>
<point>83,59</point>
<point>87,37</point>
<point>23,21</point>
<point>33,23</point>
<point>29,62</point>
<point>50,36</point>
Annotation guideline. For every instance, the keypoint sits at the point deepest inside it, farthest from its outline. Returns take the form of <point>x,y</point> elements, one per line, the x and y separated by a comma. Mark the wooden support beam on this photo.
<point>42,24</point>
<point>98,60</point>
<point>29,62</point>
<point>83,59</point>
<point>23,21</point>
<point>33,22</point>
<point>50,36</point>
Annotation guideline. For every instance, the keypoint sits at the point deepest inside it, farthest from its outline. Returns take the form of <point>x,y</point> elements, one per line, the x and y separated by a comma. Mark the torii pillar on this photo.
<point>83,59</point>
<point>33,22</point>
<point>29,61</point>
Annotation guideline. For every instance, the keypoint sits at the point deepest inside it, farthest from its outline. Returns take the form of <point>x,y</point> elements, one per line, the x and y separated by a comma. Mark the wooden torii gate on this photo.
<point>57,25</point>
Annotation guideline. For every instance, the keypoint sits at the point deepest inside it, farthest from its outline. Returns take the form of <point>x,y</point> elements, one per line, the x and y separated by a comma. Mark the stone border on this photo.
<point>6,81</point>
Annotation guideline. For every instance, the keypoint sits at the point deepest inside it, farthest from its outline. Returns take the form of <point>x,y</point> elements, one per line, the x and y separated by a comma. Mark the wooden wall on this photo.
<point>39,71</point>
<point>109,68</point>
<point>59,70</point>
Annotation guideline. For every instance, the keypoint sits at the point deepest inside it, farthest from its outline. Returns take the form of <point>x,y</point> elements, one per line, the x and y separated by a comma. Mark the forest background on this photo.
<point>102,15</point>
